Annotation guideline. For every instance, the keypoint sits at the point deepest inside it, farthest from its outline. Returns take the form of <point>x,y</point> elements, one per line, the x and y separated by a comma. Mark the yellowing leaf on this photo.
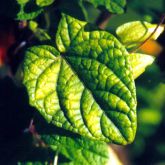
<point>139,62</point>
<point>133,33</point>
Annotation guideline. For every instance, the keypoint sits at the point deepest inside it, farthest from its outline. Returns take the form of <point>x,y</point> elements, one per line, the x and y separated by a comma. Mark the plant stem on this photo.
<point>56,158</point>
<point>103,19</point>
<point>83,10</point>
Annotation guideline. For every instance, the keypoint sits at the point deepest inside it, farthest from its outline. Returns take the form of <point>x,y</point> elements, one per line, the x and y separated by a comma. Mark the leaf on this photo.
<point>28,16</point>
<point>23,15</point>
<point>139,62</point>
<point>79,150</point>
<point>39,33</point>
<point>89,88</point>
<point>22,1</point>
<point>113,6</point>
<point>70,148</point>
<point>43,3</point>
<point>39,8</point>
<point>133,33</point>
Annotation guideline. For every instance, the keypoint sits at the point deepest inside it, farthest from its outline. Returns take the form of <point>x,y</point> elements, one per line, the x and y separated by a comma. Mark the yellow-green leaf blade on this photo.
<point>133,33</point>
<point>88,89</point>
<point>139,62</point>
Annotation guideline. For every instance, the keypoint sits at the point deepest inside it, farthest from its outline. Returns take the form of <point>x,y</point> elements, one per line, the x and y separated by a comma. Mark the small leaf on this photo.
<point>39,33</point>
<point>43,3</point>
<point>79,150</point>
<point>133,33</point>
<point>28,16</point>
<point>22,1</point>
<point>139,62</point>
<point>33,25</point>
<point>22,15</point>
<point>89,88</point>
<point>113,6</point>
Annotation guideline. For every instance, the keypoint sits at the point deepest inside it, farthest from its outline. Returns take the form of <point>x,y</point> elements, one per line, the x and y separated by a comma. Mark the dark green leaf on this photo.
<point>28,16</point>
<point>79,150</point>
<point>24,15</point>
<point>31,14</point>
<point>113,6</point>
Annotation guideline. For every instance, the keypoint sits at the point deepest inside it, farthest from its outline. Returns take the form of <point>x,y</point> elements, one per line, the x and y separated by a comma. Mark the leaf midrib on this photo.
<point>122,134</point>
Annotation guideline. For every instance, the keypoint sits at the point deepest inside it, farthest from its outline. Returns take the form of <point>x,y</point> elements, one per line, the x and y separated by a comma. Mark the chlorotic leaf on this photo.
<point>113,6</point>
<point>139,62</point>
<point>133,33</point>
<point>43,3</point>
<point>79,150</point>
<point>89,88</point>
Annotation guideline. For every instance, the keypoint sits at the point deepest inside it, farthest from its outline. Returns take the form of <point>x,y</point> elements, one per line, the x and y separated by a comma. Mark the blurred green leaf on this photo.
<point>22,1</point>
<point>28,16</point>
<point>147,7</point>
<point>150,116</point>
<point>79,150</point>
<point>24,15</point>
<point>33,25</point>
<point>151,102</point>
<point>43,3</point>
<point>39,33</point>
<point>113,6</point>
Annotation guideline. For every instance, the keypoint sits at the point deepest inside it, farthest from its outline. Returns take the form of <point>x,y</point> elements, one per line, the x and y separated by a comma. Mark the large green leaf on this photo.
<point>89,88</point>
<point>133,33</point>
<point>113,6</point>
<point>79,150</point>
